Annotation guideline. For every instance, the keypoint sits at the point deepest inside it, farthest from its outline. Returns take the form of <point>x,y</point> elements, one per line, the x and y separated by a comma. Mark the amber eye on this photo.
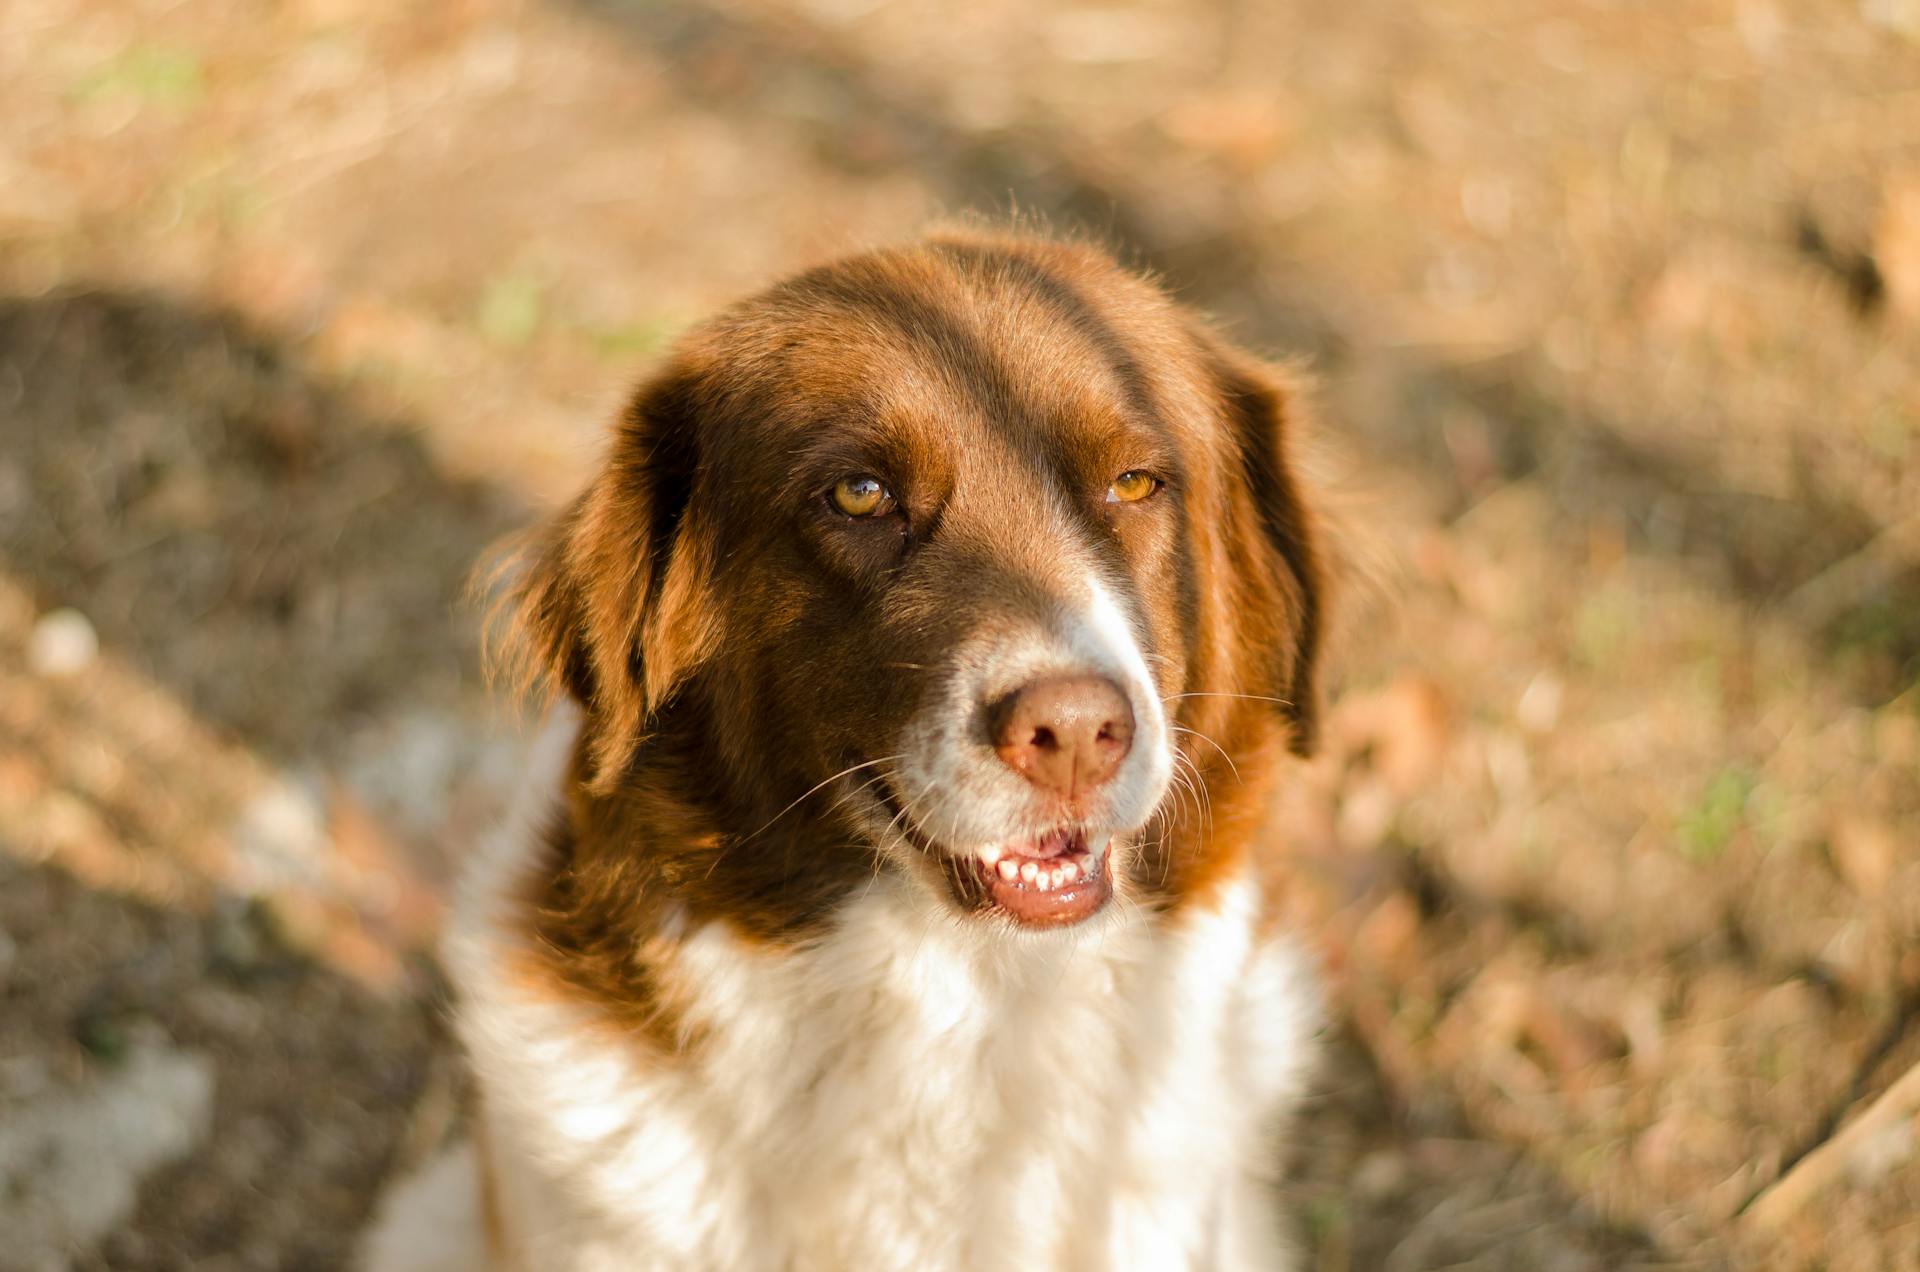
<point>862,496</point>
<point>1132,486</point>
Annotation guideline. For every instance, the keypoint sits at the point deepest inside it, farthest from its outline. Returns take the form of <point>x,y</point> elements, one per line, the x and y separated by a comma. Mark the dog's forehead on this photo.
<point>929,341</point>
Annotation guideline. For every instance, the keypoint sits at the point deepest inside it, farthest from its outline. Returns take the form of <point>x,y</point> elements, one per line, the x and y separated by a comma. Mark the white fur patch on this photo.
<point>911,1091</point>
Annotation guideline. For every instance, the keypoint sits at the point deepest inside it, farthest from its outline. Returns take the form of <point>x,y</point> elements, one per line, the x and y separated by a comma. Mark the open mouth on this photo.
<point>1052,880</point>
<point>1055,879</point>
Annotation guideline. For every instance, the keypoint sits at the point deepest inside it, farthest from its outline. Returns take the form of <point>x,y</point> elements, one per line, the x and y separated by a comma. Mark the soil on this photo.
<point>1613,312</point>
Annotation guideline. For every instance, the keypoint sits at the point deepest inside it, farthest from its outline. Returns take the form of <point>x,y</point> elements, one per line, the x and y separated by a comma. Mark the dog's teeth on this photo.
<point>1041,876</point>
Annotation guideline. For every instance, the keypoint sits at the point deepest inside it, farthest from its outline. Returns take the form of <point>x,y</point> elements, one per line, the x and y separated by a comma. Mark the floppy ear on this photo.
<point>1279,541</point>
<point>607,602</point>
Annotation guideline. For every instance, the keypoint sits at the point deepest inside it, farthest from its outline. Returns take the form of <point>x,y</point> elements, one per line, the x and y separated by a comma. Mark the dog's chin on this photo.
<point>1053,880</point>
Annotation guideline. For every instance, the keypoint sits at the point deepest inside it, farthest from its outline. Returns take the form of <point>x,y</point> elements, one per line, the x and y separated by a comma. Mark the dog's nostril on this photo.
<point>1065,735</point>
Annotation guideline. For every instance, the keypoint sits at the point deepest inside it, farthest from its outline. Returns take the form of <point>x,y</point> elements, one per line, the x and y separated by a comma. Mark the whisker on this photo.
<point>841,799</point>
<point>1203,795</point>
<point>1184,782</point>
<point>1181,728</point>
<point>889,829</point>
<point>853,768</point>
<point>1250,697</point>
<point>730,844</point>
<point>1206,792</point>
<point>906,807</point>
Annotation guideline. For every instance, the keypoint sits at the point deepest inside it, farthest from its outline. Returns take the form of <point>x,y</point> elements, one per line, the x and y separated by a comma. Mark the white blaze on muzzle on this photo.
<point>953,786</point>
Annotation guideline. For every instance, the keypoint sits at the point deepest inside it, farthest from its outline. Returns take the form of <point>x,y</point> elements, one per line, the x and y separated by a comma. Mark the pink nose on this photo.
<point>1066,736</point>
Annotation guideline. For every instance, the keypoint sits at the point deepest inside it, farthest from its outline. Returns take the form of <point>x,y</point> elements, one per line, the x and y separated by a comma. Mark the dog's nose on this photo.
<point>1066,736</point>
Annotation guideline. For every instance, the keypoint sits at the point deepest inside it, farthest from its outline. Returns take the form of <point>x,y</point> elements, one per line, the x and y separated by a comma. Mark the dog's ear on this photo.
<point>1276,538</point>
<point>608,601</point>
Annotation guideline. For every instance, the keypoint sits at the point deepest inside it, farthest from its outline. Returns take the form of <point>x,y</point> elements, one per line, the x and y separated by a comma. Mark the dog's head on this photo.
<point>943,560</point>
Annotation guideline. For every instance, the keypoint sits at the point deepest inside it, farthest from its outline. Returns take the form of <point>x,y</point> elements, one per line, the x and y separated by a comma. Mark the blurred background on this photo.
<point>1611,857</point>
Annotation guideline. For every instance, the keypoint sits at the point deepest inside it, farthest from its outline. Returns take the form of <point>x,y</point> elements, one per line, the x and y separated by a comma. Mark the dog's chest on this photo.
<point>911,1093</point>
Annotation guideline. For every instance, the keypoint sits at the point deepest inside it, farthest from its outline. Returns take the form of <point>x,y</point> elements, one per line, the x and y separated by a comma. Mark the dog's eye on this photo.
<point>1132,486</point>
<point>862,496</point>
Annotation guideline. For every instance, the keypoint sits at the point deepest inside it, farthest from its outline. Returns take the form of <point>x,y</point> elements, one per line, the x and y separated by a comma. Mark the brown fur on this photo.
<point>734,646</point>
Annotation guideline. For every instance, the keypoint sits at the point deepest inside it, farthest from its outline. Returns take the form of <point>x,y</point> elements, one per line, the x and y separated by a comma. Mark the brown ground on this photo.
<point>1612,859</point>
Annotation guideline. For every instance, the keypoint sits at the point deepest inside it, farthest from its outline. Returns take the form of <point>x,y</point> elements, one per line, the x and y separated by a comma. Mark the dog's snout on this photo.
<point>1066,736</point>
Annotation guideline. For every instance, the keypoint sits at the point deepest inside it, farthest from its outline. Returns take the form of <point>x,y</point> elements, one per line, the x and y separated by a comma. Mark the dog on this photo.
<point>893,891</point>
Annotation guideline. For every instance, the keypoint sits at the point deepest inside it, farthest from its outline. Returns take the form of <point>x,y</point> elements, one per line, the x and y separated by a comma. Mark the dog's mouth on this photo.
<point>1053,880</point>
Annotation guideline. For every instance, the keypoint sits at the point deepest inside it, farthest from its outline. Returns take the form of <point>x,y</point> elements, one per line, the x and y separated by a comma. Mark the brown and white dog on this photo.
<point>890,894</point>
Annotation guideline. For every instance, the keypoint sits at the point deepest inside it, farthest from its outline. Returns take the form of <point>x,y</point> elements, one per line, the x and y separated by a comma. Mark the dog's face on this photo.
<point>933,560</point>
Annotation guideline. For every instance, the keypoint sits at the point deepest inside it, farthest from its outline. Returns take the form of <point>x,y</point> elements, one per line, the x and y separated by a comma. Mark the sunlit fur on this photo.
<point>910,1093</point>
<point>732,992</point>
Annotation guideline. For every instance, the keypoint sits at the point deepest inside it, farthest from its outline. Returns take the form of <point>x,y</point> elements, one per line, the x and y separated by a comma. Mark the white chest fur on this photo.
<point>911,1092</point>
